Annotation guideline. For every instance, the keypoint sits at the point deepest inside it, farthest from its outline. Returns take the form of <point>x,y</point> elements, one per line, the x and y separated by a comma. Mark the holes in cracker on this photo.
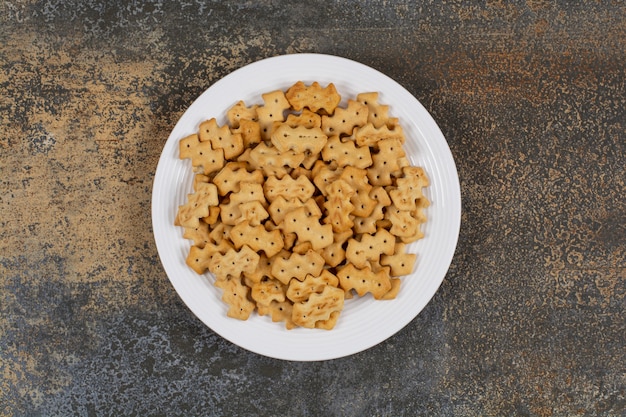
<point>306,208</point>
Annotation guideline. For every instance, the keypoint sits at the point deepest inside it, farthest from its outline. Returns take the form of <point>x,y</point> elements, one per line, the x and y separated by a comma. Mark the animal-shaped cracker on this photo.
<point>202,155</point>
<point>308,228</point>
<point>364,280</point>
<point>344,120</point>
<point>318,307</point>
<point>313,97</point>
<point>370,247</point>
<point>297,266</point>
<point>259,239</point>
<point>221,137</point>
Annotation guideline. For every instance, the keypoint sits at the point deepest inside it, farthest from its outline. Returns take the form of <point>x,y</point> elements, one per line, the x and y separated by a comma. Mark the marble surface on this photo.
<point>530,319</point>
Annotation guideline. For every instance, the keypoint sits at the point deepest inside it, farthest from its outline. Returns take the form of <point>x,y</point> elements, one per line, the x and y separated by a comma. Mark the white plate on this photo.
<point>364,322</point>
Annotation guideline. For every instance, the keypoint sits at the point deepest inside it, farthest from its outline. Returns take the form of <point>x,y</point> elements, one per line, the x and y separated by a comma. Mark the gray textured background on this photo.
<point>530,319</point>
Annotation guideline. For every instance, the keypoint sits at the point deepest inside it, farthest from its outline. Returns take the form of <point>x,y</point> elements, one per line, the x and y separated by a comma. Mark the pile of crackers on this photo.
<point>299,204</point>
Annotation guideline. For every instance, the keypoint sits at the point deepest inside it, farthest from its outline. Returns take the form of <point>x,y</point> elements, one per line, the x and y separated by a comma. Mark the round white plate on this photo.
<point>364,322</point>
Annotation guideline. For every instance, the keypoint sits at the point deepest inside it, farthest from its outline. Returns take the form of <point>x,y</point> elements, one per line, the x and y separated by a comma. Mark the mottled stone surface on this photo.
<point>530,319</point>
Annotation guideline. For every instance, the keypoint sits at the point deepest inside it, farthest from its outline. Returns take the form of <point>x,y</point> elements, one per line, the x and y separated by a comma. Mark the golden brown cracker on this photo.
<point>344,120</point>
<point>201,154</point>
<point>319,307</point>
<point>220,137</point>
<point>313,97</point>
<point>364,280</point>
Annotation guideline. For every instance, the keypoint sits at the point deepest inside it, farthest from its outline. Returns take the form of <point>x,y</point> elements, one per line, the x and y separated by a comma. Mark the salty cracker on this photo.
<point>287,187</point>
<point>338,206</point>
<point>271,161</point>
<point>279,208</point>
<point>299,139</point>
<point>357,178</point>
<point>262,271</point>
<point>279,311</point>
<point>364,280</point>
<point>266,291</point>
<point>199,235</point>
<point>344,120</point>
<point>313,97</point>
<point>220,231</point>
<point>308,229</point>
<point>370,247</point>
<point>202,155</point>
<point>235,295</point>
<point>368,135</point>
<point>230,212</point>
<point>257,238</point>
<point>273,110</point>
<point>297,266</point>
<point>221,137</point>
<point>306,118</point>
<point>389,159</point>
<point>319,307</point>
<point>228,178</point>
<point>346,153</point>
<point>378,114</point>
<point>253,212</point>
<point>408,191</point>
<point>394,290</point>
<point>197,205</point>
<point>233,263</point>
<point>324,174</point>
<point>239,111</point>
<point>401,262</point>
<point>403,223</point>
<point>199,258</point>
<point>299,291</point>
<point>250,132</point>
